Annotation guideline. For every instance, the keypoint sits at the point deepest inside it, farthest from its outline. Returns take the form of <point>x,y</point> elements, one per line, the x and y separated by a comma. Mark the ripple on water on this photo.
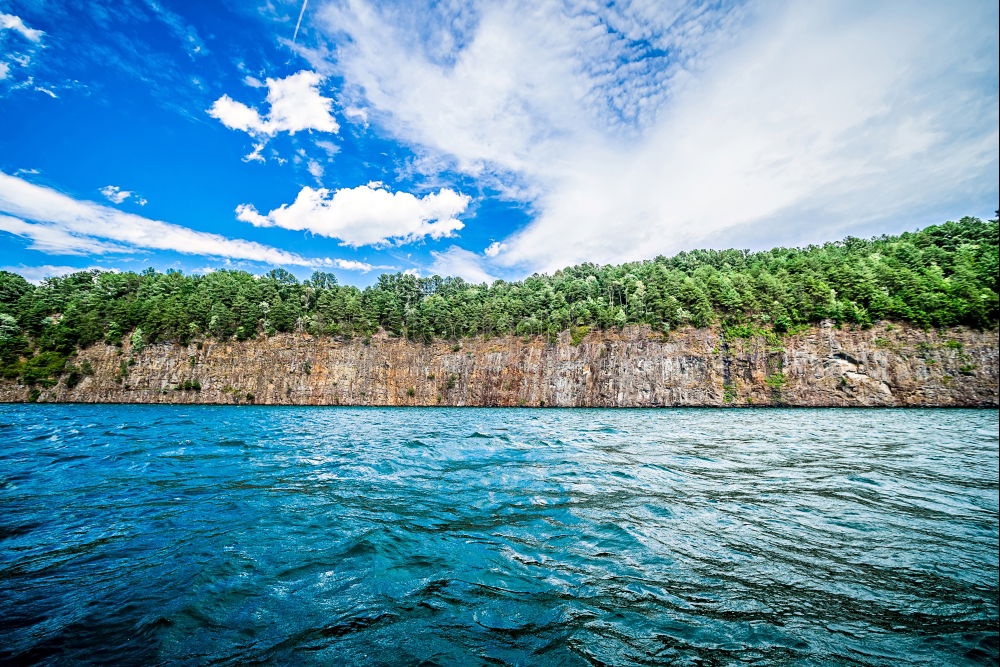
<point>167,534</point>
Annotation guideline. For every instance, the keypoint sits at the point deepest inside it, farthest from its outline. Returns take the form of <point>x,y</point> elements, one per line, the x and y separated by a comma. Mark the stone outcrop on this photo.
<point>887,365</point>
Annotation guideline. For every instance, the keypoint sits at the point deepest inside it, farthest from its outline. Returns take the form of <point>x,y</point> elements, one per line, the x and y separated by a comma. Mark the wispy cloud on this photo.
<point>184,31</point>
<point>645,128</point>
<point>15,23</point>
<point>56,240</point>
<point>59,224</point>
<point>459,262</point>
<point>365,215</point>
<point>15,54</point>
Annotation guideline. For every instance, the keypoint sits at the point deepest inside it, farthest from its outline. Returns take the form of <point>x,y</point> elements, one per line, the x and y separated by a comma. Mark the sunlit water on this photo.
<point>169,534</point>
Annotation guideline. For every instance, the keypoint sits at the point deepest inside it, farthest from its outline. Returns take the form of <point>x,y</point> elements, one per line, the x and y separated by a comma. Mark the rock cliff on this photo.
<point>888,365</point>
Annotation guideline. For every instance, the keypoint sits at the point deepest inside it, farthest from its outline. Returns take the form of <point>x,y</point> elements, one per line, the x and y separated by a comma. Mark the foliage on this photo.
<point>74,374</point>
<point>941,276</point>
<point>577,334</point>
<point>43,368</point>
<point>776,380</point>
<point>137,341</point>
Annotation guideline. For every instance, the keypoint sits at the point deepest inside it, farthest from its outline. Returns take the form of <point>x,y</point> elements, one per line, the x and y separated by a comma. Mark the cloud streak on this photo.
<point>58,224</point>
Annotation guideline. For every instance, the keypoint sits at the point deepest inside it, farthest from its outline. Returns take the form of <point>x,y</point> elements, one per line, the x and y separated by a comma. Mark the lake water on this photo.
<point>179,534</point>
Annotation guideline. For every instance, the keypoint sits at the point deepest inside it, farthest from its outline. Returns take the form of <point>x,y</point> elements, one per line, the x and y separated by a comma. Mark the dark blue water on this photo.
<point>169,534</point>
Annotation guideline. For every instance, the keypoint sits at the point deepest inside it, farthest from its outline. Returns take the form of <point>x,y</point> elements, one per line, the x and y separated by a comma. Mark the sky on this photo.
<point>487,140</point>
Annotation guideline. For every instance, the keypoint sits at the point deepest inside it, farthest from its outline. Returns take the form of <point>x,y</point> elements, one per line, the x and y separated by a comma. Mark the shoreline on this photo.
<point>526,407</point>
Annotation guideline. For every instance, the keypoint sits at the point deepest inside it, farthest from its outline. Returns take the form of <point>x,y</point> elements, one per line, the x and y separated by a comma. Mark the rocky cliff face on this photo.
<point>888,365</point>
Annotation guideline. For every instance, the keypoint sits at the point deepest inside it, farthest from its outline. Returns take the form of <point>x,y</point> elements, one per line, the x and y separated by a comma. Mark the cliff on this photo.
<point>888,365</point>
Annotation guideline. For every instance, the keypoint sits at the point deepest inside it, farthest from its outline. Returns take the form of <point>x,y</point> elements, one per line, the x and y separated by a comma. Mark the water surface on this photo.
<point>188,535</point>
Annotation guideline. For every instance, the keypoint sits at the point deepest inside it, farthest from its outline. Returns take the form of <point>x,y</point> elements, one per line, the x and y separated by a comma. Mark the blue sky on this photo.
<point>482,139</point>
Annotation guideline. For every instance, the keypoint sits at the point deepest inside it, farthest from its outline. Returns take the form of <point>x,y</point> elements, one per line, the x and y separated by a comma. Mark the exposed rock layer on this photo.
<point>888,365</point>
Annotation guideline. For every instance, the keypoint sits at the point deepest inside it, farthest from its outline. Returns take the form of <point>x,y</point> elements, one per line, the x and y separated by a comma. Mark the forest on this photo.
<point>941,276</point>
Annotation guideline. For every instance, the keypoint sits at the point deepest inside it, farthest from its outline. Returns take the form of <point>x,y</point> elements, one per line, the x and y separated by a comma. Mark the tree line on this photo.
<point>941,276</point>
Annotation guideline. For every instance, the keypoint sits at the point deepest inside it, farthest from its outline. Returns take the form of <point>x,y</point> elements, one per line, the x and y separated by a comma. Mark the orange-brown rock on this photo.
<point>887,365</point>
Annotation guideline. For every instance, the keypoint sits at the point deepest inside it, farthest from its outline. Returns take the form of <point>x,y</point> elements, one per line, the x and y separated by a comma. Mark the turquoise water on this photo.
<point>177,534</point>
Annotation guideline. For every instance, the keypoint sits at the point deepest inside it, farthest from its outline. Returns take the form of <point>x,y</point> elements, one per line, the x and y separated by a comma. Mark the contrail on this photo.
<point>299,22</point>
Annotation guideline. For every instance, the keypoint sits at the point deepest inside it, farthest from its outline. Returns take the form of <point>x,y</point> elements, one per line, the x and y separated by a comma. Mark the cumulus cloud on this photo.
<point>365,215</point>
<point>295,103</point>
<point>238,116</point>
<point>15,23</point>
<point>645,128</point>
<point>58,224</point>
<point>459,262</point>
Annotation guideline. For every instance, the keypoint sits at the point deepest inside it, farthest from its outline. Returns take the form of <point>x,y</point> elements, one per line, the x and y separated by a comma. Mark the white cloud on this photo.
<point>315,170</point>
<point>646,128</point>
<point>494,249</point>
<point>354,265</point>
<point>365,215</point>
<point>359,113</point>
<point>56,240</point>
<point>459,262</point>
<point>295,105</point>
<point>115,194</point>
<point>238,116</point>
<point>4,70</point>
<point>11,22</point>
<point>328,147</point>
<point>255,154</point>
<point>253,81</point>
<point>37,274</point>
<point>63,225</point>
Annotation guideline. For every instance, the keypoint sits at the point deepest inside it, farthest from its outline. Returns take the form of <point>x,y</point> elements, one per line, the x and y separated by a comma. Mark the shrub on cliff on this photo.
<point>941,276</point>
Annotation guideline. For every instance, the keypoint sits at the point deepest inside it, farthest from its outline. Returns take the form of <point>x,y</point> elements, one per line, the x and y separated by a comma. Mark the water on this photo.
<point>178,534</point>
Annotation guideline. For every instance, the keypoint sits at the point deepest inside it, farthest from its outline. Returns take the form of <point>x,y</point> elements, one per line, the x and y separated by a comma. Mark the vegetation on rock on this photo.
<point>944,275</point>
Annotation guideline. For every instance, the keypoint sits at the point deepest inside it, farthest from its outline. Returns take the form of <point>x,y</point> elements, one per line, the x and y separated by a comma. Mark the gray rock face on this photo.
<point>887,365</point>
